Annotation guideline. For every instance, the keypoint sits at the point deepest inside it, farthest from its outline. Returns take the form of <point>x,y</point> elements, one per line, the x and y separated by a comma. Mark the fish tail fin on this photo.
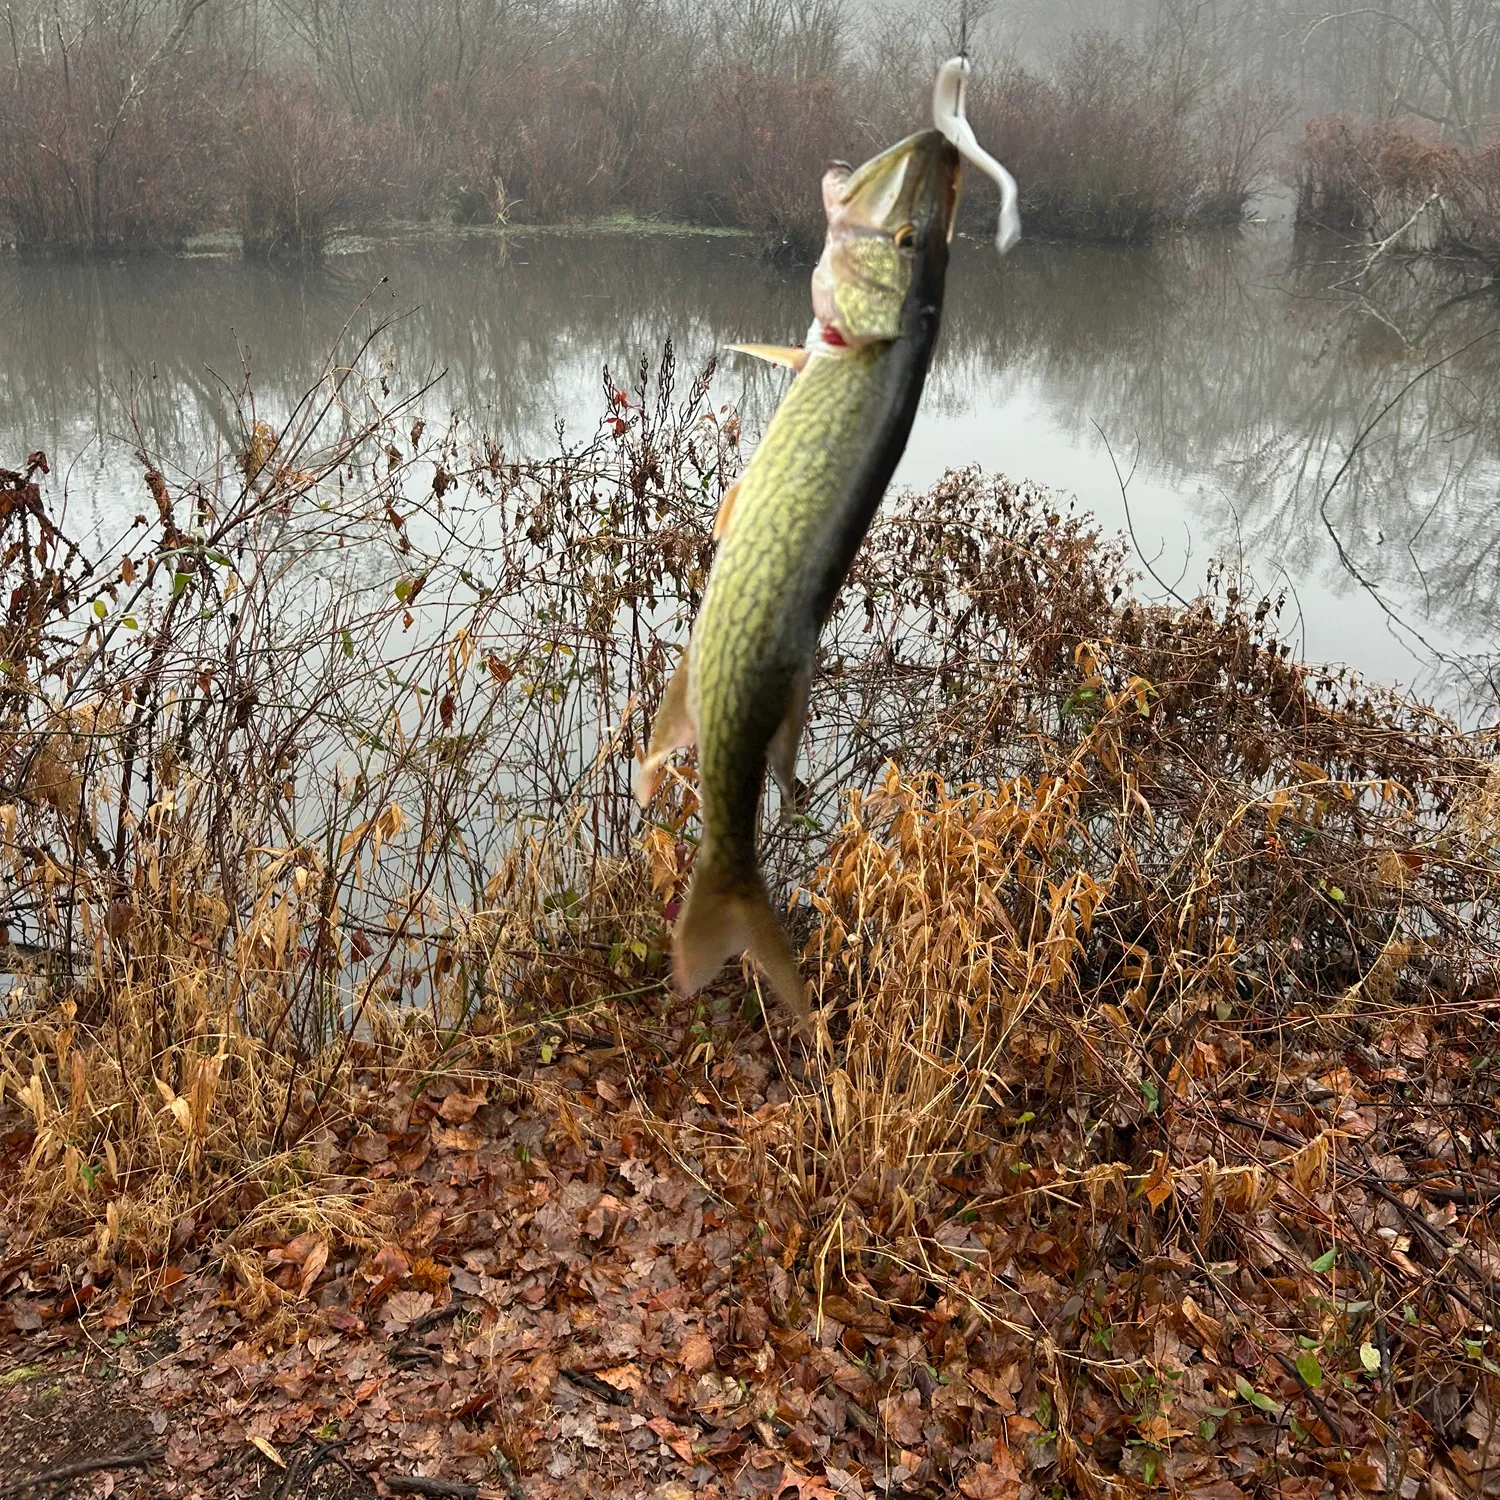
<point>728,913</point>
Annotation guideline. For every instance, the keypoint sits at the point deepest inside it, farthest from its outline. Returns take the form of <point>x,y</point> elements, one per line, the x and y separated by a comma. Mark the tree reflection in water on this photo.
<point>1235,373</point>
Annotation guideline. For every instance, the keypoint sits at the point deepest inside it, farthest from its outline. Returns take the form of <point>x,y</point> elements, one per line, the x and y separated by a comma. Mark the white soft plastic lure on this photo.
<point>948,117</point>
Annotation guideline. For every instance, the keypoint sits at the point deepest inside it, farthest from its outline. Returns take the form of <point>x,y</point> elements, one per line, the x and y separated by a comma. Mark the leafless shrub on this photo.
<point>1104,148</point>
<point>101,153</point>
<point>304,168</point>
<point>757,150</point>
<point>1400,188</point>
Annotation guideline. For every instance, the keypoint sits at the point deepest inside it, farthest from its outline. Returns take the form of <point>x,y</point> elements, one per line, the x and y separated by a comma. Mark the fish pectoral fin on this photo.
<point>726,510</point>
<point>774,354</point>
<point>723,917</point>
<point>673,729</point>
<point>781,753</point>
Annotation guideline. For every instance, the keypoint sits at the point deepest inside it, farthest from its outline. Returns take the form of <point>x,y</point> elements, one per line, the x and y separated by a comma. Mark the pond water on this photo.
<point>1334,434</point>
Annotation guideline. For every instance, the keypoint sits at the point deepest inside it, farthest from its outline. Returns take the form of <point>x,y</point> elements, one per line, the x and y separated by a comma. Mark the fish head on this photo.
<point>884,219</point>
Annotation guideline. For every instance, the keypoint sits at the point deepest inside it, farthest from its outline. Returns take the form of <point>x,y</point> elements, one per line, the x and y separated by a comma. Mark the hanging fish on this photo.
<point>789,529</point>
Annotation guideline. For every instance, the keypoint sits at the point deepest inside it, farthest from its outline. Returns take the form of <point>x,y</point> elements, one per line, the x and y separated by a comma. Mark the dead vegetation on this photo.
<point>1148,1140</point>
<point>1108,146</point>
<point>150,124</point>
<point>1404,189</point>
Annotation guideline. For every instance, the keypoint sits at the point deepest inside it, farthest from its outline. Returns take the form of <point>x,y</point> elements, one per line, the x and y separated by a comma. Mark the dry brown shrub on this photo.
<point>240,853</point>
<point>1142,878</point>
<point>753,152</point>
<point>304,168</point>
<point>1400,187</point>
<point>101,153</point>
<point>1102,148</point>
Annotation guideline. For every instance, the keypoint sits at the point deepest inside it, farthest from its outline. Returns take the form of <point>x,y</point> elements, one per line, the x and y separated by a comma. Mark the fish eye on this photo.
<point>904,236</point>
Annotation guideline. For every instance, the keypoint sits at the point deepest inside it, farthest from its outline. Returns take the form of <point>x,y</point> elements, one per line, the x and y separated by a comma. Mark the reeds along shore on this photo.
<point>114,144</point>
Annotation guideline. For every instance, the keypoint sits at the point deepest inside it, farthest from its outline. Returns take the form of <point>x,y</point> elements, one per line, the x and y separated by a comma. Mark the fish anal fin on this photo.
<point>726,510</point>
<point>781,753</point>
<point>774,354</point>
<point>672,729</point>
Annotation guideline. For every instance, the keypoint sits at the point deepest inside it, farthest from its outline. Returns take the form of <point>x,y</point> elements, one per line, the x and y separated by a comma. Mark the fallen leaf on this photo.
<point>312,1267</point>
<point>673,1436</point>
<point>459,1109</point>
<point>297,1250</point>
<point>390,1260</point>
<point>696,1354</point>
<point>903,1417</point>
<point>997,1388</point>
<point>987,1482</point>
<point>807,1486</point>
<point>370,1149</point>
<point>623,1378</point>
<point>402,1309</point>
<point>270,1452</point>
<point>464,1138</point>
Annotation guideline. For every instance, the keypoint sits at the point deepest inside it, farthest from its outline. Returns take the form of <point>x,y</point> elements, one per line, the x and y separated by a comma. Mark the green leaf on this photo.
<point>1369,1357</point>
<point>1335,894</point>
<point>1152,1094</point>
<point>99,609</point>
<point>1258,1399</point>
<point>1309,1369</point>
<point>403,590</point>
<point>347,642</point>
<point>1324,1263</point>
<point>129,623</point>
<point>1150,1462</point>
<point>179,583</point>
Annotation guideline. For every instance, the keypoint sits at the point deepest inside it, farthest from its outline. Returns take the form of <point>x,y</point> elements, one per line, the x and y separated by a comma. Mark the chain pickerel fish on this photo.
<point>789,529</point>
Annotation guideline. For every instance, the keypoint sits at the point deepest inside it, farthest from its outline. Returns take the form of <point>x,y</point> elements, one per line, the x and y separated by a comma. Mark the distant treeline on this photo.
<point>134,124</point>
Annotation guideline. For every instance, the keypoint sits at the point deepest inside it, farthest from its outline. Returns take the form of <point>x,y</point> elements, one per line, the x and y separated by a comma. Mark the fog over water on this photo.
<point>1229,377</point>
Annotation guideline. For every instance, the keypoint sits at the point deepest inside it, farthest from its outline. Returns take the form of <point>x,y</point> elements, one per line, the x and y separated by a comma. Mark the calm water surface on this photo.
<point>1339,439</point>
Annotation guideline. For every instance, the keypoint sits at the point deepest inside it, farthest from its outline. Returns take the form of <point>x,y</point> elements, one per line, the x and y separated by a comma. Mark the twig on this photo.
<point>508,1476</point>
<point>1381,246</point>
<point>596,1387</point>
<point>1348,563</point>
<point>418,1484</point>
<point>85,1466</point>
<point>1124,482</point>
<point>302,1469</point>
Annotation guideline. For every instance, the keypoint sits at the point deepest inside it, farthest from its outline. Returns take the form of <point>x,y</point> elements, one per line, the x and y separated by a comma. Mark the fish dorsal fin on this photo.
<point>773,354</point>
<point>726,510</point>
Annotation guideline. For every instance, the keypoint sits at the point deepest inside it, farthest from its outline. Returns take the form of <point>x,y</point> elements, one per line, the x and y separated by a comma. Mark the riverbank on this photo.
<point>1147,1137</point>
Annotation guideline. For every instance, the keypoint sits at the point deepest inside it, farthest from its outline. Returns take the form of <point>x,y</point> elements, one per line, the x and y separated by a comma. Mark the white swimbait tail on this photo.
<point>948,117</point>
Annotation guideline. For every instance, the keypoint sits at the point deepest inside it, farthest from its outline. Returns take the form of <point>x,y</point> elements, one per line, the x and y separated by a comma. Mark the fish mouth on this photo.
<point>907,192</point>
<point>885,219</point>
